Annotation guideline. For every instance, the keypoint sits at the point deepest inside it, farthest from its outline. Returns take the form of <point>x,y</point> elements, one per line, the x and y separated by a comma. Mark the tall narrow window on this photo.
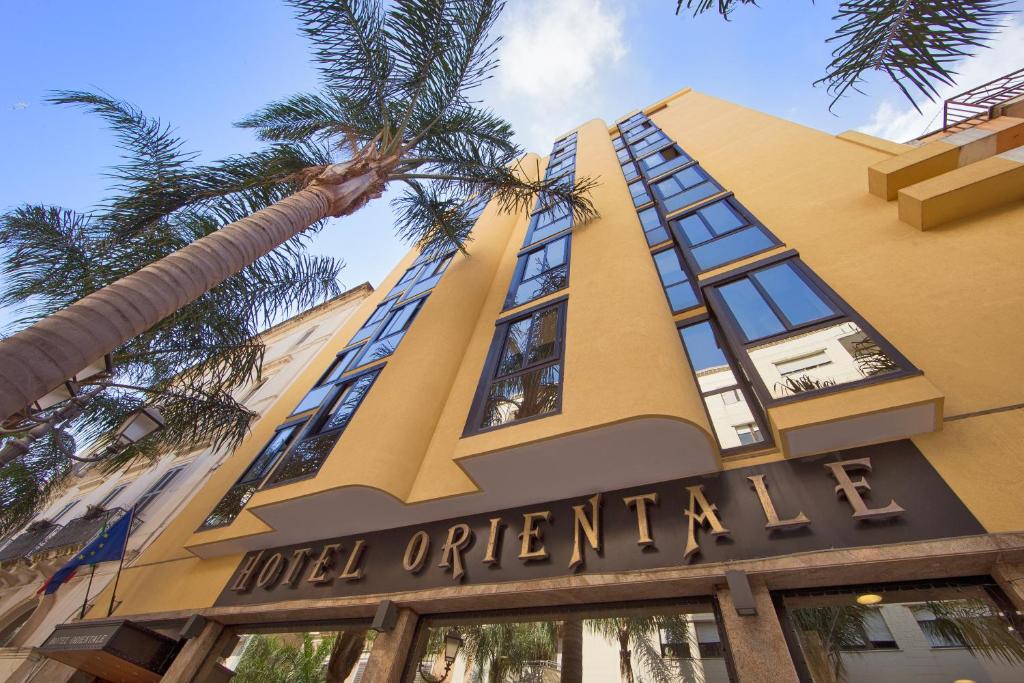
<point>629,172</point>
<point>110,497</point>
<point>735,416</point>
<point>639,192</point>
<point>654,229</point>
<point>309,454</point>
<point>391,333</point>
<point>798,336</point>
<point>674,279</point>
<point>523,377</point>
<point>548,222</point>
<point>721,232</point>
<point>63,511</point>
<point>664,160</point>
<point>540,272</point>
<point>239,494</point>
<point>342,364</point>
<point>684,187</point>
<point>647,144</point>
<point>430,275</point>
<point>161,485</point>
<point>374,320</point>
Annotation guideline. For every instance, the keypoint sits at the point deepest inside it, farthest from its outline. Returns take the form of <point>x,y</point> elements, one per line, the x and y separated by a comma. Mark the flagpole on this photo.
<point>120,565</point>
<point>88,588</point>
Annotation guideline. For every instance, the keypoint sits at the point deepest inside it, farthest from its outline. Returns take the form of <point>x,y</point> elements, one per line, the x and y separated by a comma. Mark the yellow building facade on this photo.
<point>774,385</point>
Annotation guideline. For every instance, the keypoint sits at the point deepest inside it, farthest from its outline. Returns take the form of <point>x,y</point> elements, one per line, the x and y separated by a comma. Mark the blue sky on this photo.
<point>201,65</point>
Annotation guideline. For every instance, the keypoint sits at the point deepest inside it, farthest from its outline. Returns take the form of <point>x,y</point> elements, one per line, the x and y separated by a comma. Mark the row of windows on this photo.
<point>300,446</point>
<point>773,329</point>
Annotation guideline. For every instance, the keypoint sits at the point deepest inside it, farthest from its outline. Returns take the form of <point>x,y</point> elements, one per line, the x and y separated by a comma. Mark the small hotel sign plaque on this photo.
<point>866,496</point>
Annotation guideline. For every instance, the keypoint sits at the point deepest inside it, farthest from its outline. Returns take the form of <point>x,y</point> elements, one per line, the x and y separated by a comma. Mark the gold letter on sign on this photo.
<point>643,525</point>
<point>451,551</point>
<point>851,489</point>
<point>242,582</point>
<point>492,541</point>
<point>352,570</point>
<point>590,527</point>
<point>769,507</point>
<point>530,532</point>
<point>416,552</point>
<point>318,574</point>
<point>296,566</point>
<point>699,519</point>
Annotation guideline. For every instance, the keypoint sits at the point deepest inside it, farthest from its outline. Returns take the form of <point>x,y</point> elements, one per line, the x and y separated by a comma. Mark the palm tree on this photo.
<point>570,635</point>
<point>268,659</point>
<point>345,653</point>
<point>638,641</point>
<point>395,107</point>
<point>189,363</point>
<point>916,43</point>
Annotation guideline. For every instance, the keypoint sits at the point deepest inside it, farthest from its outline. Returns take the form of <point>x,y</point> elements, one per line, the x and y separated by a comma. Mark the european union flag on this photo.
<point>109,545</point>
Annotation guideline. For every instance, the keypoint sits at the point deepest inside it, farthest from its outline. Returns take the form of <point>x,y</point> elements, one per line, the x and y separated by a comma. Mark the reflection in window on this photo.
<point>826,357</point>
<point>629,172</point>
<point>540,272</point>
<point>654,231</point>
<point>684,187</point>
<point>340,366</point>
<point>664,160</point>
<point>654,139</point>
<point>549,222</point>
<point>430,276</point>
<point>639,192</point>
<point>719,384</point>
<point>527,378</point>
<point>239,494</point>
<point>930,634</point>
<point>306,457</point>
<point>678,289</point>
<point>375,318</point>
<point>392,332</point>
<point>671,644</point>
<point>638,130</point>
<point>773,300</point>
<point>720,232</point>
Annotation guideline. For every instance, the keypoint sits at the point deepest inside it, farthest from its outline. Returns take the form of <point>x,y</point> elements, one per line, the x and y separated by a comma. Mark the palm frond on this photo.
<point>917,43</point>
<point>724,7</point>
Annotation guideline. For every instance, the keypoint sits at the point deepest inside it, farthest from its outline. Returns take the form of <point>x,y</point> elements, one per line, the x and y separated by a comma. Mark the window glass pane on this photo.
<point>378,314</point>
<point>306,458</point>
<point>623,155</point>
<point>630,172</point>
<point>346,403</point>
<point>735,246</point>
<point>791,293</point>
<point>684,188</point>
<point>681,297</point>
<point>527,395</point>
<point>619,142</point>
<point>669,267</point>
<point>548,282</point>
<point>751,311</point>
<point>926,634</point>
<point>706,357</point>
<point>513,353</point>
<point>313,399</point>
<point>543,336</point>
<point>654,231</point>
<point>269,455</point>
<point>694,229</point>
<point>341,365</point>
<point>639,192</point>
<point>831,356</point>
<point>664,161</point>
<point>722,217</point>
<point>230,505</point>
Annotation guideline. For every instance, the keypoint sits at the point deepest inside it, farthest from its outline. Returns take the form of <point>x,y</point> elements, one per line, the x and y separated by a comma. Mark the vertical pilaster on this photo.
<point>391,649</point>
<point>199,655</point>
<point>756,643</point>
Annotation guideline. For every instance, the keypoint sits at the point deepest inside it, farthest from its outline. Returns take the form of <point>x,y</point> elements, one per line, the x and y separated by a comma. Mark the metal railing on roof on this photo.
<point>975,105</point>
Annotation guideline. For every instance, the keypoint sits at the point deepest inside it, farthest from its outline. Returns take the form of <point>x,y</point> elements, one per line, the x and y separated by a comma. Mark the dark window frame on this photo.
<point>660,200</point>
<point>312,425</point>
<point>639,152</point>
<point>690,278</point>
<point>257,482</point>
<point>350,367</point>
<point>360,360</point>
<point>534,225</point>
<point>654,177</point>
<point>757,409</point>
<point>494,352</point>
<point>680,236</point>
<point>521,261</point>
<point>738,344</point>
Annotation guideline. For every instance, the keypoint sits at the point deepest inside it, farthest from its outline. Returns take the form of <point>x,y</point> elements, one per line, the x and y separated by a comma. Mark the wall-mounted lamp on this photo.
<point>139,425</point>
<point>741,594</point>
<point>869,599</point>
<point>452,644</point>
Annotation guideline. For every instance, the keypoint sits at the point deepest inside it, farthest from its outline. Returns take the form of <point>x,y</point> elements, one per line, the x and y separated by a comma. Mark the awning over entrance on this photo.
<point>121,651</point>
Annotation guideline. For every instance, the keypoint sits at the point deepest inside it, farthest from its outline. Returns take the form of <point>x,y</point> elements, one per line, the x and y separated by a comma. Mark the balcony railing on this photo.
<point>975,105</point>
<point>26,543</point>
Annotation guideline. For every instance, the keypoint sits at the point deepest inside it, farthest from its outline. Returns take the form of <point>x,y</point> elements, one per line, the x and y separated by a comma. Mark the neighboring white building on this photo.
<point>159,489</point>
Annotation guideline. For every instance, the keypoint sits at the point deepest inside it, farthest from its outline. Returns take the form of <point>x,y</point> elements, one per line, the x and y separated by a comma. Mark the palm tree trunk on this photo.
<point>41,357</point>
<point>348,647</point>
<point>625,665</point>
<point>572,651</point>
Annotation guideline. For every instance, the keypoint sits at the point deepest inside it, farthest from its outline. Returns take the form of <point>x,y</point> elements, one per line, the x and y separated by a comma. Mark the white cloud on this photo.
<point>552,55</point>
<point>898,121</point>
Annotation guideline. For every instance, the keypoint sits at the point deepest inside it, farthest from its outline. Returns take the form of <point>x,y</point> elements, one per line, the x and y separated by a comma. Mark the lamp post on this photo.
<point>452,644</point>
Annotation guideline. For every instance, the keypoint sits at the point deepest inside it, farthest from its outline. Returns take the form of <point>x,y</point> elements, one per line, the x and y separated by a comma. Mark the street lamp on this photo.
<point>138,426</point>
<point>452,644</point>
<point>69,389</point>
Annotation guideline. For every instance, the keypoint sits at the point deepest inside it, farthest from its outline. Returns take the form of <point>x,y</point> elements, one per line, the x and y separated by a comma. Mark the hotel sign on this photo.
<point>866,496</point>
